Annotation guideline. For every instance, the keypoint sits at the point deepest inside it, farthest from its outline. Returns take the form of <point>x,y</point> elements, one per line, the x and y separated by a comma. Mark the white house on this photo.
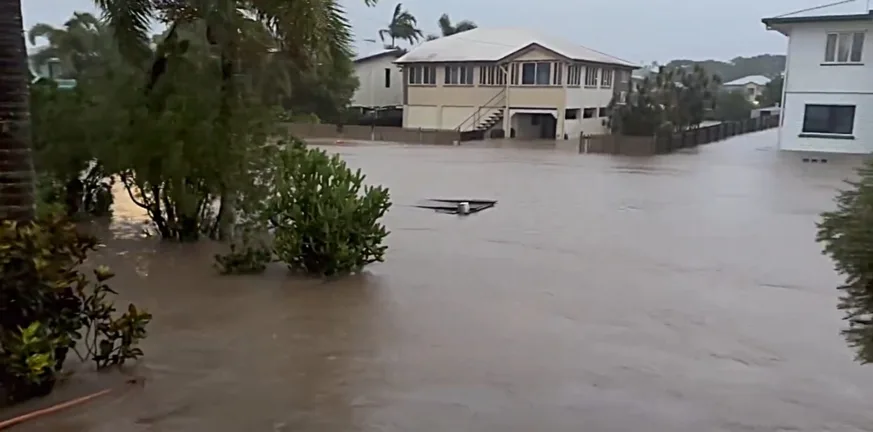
<point>752,86</point>
<point>381,83</point>
<point>526,84</point>
<point>827,100</point>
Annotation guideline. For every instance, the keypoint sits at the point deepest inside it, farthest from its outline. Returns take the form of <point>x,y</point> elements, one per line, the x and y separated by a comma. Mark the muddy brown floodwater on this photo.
<point>671,294</point>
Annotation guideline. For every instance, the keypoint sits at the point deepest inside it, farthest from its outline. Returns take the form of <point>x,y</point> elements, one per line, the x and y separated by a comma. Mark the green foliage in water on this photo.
<point>325,221</point>
<point>847,235</point>
<point>245,259</point>
<point>48,306</point>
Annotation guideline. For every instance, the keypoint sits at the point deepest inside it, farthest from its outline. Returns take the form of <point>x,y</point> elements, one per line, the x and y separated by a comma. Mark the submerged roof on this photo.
<point>845,10</point>
<point>494,44</point>
<point>751,79</point>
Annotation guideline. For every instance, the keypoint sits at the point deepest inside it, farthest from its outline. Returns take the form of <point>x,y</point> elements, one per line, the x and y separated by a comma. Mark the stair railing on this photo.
<point>475,116</point>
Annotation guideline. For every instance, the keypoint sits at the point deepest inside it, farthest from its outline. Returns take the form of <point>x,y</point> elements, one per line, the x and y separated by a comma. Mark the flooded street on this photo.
<point>672,294</point>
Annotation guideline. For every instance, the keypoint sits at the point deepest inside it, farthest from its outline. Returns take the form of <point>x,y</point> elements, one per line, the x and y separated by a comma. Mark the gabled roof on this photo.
<point>495,44</point>
<point>393,52</point>
<point>753,79</point>
<point>846,10</point>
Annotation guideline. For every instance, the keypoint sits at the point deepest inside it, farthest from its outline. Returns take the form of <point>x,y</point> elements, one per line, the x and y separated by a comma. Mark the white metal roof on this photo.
<point>840,8</point>
<point>379,53</point>
<point>492,44</point>
<point>754,79</point>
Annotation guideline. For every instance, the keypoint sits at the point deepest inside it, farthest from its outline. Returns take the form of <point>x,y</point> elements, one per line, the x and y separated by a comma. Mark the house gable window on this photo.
<point>844,47</point>
<point>828,119</point>
<point>538,73</point>
<point>422,75</point>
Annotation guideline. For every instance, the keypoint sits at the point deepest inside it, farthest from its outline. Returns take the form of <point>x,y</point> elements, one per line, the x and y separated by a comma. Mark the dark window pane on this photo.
<point>831,48</point>
<point>387,78</point>
<point>829,119</point>
<point>544,73</point>
<point>857,46</point>
<point>528,73</point>
<point>589,112</point>
<point>469,73</point>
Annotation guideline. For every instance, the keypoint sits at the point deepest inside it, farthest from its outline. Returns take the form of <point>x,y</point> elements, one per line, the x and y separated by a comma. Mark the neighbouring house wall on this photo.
<point>372,91</point>
<point>809,81</point>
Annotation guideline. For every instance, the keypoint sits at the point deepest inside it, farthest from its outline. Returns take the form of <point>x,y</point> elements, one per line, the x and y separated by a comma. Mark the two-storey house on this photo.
<point>380,84</point>
<point>827,100</point>
<point>751,86</point>
<point>527,85</point>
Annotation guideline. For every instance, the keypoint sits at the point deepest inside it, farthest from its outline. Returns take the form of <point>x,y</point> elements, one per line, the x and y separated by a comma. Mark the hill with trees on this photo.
<point>769,65</point>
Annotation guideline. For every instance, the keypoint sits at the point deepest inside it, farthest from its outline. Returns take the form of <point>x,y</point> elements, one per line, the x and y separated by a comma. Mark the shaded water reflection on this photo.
<point>677,293</point>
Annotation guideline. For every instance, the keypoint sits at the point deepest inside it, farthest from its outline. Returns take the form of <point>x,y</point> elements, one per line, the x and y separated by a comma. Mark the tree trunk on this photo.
<point>16,164</point>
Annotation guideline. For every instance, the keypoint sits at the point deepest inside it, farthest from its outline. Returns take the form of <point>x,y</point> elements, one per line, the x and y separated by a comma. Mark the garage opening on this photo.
<point>534,125</point>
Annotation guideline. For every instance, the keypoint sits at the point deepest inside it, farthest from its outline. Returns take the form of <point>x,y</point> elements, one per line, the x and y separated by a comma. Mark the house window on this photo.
<point>606,79</point>
<point>603,112</point>
<point>514,73</point>
<point>571,114</point>
<point>590,76</point>
<point>622,97</point>
<point>536,73</point>
<point>459,75</point>
<point>589,113</point>
<point>387,77</point>
<point>844,47</point>
<point>492,75</point>
<point>829,119</point>
<point>574,75</point>
<point>559,72</point>
<point>422,75</point>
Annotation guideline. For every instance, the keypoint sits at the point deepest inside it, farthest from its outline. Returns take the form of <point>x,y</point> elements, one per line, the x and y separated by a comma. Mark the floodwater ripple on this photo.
<point>592,298</point>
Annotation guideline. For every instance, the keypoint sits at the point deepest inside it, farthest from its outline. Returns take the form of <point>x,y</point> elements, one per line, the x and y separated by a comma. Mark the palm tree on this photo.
<point>81,43</point>
<point>16,164</point>
<point>448,29</point>
<point>402,26</point>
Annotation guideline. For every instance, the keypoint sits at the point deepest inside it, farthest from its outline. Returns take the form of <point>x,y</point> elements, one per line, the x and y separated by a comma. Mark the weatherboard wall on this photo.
<point>809,81</point>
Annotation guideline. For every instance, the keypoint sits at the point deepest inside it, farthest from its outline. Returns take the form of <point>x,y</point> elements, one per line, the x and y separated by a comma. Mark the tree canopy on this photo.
<point>403,26</point>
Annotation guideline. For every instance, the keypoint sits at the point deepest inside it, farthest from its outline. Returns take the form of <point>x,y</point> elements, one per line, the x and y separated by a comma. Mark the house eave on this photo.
<point>771,22</point>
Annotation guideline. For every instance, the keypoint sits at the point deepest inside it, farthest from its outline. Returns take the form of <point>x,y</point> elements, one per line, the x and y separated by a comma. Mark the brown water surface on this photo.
<point>671,294</point>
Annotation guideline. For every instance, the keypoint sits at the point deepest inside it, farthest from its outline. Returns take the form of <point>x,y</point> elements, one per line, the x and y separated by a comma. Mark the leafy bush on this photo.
<point>245,259</point>
<point>325,222</point>
<point>47,306</point>
<point>847,234</point>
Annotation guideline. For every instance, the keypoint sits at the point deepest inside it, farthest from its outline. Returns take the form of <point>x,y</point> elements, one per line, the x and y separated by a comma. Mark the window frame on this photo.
<point>833,43</point>
<point>592,79</point>
<point>574,75</point>
<point>538,77</point>
<point>492,75</point>
<point>606,78</point>
<point>419,72</point>
<point>462,74</point>
<point>589,113</point>
<point>830,131</point>
<point>572,113</point>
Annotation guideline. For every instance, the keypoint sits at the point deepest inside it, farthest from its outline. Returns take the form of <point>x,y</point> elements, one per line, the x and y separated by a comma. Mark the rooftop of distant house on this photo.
<point>496,44</point>
<point>751,79</point>
<point>387,52</point>
<point>846,10</point>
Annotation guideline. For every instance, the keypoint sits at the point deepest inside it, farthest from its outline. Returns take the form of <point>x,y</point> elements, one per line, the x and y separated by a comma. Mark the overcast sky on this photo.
<point>636,30</point>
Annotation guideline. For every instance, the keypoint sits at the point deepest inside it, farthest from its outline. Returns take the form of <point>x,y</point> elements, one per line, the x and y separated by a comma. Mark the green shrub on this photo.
<point>244,259</point>
<point>847,234</point>
<point>47,306</point>
<point>325,222</point>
